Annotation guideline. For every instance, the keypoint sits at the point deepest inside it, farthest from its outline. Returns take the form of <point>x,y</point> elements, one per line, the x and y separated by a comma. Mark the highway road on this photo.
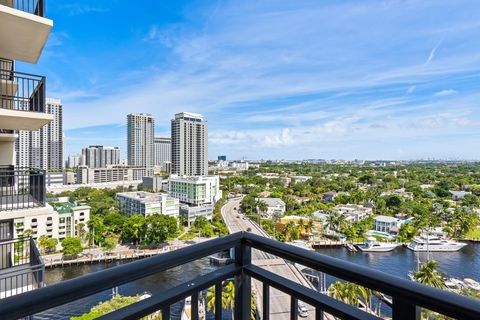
<point>279,301</point>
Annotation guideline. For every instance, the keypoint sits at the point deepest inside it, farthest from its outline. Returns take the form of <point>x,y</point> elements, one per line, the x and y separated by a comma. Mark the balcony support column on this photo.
<point>243,283</point>
<point>403,309</point>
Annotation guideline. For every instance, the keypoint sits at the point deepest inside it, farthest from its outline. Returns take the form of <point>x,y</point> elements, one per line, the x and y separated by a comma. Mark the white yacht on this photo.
<point>433,243</point>
<point>372,245</point>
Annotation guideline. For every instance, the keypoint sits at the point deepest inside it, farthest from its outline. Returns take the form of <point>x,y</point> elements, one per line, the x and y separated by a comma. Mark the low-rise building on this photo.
<point>308,230</point>
<point>329,196</point>
<point>86,175</point>
<point>354,212</point>
<point>195,190</point>
<point>58,219</point>
<point>56,178</point>
<point>276,207</point>
<point>301,178</point>
<point>386,223</point>
<point>398,192</point>
<point>71,216</point>
<point>190,213</point>
<point>155,183</point>
<point>146,203</point>
<point>457,195</point>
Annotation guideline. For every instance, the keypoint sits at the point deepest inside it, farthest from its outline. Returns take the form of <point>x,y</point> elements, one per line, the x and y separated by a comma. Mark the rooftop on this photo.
<point>272,202</point>
<point>386,219</point>
<point>144,197</point>
<point>188,115</point>
<point>67,206</point>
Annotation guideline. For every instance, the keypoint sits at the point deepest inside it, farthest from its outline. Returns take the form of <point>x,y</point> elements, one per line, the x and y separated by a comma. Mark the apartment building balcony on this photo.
<point>21,188</point>
<point>22,100</point>
<point>407,297</point>
<point>21,267</point>
<point>24,29</point>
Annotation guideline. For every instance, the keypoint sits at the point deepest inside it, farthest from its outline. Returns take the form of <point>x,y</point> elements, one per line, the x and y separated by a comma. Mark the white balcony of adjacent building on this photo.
<point>22,99</point>
<point>24,29</point>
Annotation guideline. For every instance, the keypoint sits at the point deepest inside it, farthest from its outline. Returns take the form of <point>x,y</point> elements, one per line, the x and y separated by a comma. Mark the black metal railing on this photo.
<point>36,7</point>
<point>21,188</point>
<point>20,91</point>
<point>408,297</point>
<point>21,267</point>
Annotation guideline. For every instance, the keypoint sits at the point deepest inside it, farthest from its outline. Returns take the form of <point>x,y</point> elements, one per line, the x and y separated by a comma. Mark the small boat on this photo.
<point>145,295</point>
<point>472,284</point>
<point>454,285</point>
<point>372,245</point>
<point>434,243</point>
<point>350,247</point>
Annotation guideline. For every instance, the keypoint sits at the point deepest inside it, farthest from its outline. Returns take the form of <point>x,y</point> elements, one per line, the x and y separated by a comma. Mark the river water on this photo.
<point>461,264</point>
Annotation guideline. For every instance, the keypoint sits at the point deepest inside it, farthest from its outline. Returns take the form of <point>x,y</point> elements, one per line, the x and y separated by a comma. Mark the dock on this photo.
<point>104,258</point>
<point>327,244</point>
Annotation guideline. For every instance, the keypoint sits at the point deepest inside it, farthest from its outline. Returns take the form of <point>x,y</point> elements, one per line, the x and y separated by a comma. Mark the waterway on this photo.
<point>461,264</point>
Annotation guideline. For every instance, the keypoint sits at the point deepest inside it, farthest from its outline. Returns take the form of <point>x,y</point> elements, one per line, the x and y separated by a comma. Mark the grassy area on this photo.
<point>473,234</point>
<point>188,236</point>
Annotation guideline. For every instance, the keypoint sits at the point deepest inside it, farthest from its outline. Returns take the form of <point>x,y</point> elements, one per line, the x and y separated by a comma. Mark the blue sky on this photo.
<point>275,79</point>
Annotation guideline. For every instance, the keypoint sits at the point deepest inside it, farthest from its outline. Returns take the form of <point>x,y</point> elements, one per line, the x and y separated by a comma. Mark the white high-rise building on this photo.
<point>73,160</point>
<point>189,145</point>
<point>43,148</point>
<point>163,150</point>
<point>100,156</point>
<point>140,137</point>
<point>54,132</point>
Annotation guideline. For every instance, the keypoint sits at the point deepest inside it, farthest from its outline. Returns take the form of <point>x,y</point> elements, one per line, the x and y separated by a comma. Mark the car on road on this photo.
<point>302,310</point>
<point>249,229</point>
<point>238,216</point>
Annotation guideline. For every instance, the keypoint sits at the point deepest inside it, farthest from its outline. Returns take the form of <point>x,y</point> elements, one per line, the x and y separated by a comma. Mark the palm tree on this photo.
<point>309,226</point>
<point>228,299</point>
<point>301,225</point>
<point>290,231</point>
<point>429,275</point>
<point>262,207</point>
<point>331,221</point>
<point>81,231</point>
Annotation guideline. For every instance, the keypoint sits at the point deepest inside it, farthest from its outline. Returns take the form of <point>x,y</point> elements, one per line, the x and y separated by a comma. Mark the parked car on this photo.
<point>249,229</point>
<point>302,310</point>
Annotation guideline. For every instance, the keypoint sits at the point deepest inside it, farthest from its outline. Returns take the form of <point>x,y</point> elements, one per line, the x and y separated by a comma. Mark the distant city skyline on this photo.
<point>283,80</point>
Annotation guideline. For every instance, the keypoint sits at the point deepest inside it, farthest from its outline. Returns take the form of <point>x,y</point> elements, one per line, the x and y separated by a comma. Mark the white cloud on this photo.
<point>410,89</point>
<point>446,92</point>
<point>304,72</point>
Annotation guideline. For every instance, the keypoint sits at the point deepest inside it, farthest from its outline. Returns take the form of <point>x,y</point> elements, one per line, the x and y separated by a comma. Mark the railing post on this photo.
<point>243,284</point>
<point>403,309</point>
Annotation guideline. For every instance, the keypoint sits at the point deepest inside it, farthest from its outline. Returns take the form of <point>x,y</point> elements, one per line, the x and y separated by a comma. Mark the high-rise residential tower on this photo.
<point>140,136</point>
<point>43,148</point>
<point>189,144</point>
<point>55,137</point>
<point>163,150</point>
<point>100,156</point>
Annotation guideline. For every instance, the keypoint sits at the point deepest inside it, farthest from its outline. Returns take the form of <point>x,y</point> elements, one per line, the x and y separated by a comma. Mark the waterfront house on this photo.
<point>386,223</point>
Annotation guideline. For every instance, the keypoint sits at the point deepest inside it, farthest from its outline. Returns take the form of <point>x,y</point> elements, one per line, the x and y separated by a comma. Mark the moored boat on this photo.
<point>433,243</point>
<point>372,245</point>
